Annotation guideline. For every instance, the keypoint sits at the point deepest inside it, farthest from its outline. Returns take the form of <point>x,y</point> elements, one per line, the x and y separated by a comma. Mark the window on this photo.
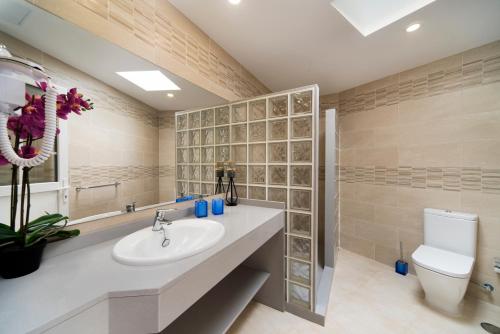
<point>46,172</point>
<point>49,181</point>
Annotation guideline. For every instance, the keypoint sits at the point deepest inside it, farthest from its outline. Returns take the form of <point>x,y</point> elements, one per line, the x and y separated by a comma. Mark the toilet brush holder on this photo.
<point>401,266</point>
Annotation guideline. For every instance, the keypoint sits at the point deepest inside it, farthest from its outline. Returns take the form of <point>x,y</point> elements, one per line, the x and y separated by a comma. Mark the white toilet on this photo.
<point>444,262</point>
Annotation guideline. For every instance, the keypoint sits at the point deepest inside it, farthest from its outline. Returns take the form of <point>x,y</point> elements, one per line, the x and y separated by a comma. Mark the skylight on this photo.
<point>369,16</point>
<point>149,80</point>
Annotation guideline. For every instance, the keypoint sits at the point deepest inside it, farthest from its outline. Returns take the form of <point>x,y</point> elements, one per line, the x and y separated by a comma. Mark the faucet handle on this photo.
<point>161,219</point>
<point>130,207</point>
<point>161,214</point>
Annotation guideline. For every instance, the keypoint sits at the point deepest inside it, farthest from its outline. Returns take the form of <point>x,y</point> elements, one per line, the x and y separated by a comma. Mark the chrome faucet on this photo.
<point>158,225</point>
<point>130,207</point>
<point>161,219</point>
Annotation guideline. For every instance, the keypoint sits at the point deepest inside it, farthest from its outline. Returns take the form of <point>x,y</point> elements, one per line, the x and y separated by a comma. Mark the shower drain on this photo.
<point>490,328</point>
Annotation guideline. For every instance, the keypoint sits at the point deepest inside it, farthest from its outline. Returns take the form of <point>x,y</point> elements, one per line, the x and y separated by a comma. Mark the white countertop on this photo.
<point>69,283</point>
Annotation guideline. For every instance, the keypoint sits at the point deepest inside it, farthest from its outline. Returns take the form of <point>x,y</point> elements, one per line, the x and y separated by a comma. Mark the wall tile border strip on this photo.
<point>91,175</point>
<point>441,77</point>
<point>445,178</point>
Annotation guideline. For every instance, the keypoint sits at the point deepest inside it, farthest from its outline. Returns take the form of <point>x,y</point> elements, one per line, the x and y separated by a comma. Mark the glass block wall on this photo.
<point>273,141</point>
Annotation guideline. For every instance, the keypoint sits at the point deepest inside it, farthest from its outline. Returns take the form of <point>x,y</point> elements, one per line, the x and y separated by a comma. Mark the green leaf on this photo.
<point>5,227</point>
<point>45,219</point>
<point>44,227</point>
<point>65,234</point>
<point>33,238</point>
<point>43,232</point>
<point>7,235</point>
<point>47,223</point>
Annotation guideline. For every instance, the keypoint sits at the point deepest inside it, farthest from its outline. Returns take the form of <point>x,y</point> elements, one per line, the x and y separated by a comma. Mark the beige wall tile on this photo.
<point>481,98</point>
<point>414,198</point>
<point>430,132</point>
<point>348,191</point>
<point>386,156</point>
<point>178,45</point>
<point>347,157</point>
<point>386,255</point>
<point>384,137</point>
<point>437,108</point>
<point>357,210</point>
<point>411,240</point>
<point>444,64</point>
<point>376,118</point>
<point>348,225</point>
<point>481,153</point>
<point>430,155</point>
<point>399,217</point>
<point>480,126</point>
<point>485,205</point>
<point>382,235</point>
<point>357,139</point>
<point>356,245</point>
<point>436,144</point>
<point>378,195</point>
<point>482,52</point>
<point>489,233</point>
<point>485,260</point>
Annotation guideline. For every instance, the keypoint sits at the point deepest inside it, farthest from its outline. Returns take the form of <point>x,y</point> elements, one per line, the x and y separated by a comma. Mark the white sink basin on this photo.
<point>187,238</point>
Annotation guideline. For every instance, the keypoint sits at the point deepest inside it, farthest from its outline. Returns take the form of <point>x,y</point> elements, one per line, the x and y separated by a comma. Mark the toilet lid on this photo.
<point>443,261</point>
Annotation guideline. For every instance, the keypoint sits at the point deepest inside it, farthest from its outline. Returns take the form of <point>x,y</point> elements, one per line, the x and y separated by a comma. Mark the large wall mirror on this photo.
<point>122,151</point>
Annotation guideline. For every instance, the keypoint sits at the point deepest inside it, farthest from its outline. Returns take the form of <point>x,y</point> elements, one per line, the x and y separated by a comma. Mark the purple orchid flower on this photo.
<point>28,152</point>
<point>31,122</point>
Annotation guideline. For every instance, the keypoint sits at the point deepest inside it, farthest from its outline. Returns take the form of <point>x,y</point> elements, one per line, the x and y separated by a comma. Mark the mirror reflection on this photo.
<point>118,156</point>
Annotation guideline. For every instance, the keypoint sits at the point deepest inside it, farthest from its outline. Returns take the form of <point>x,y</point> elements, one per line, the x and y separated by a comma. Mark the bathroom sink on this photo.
<point>187,237</point>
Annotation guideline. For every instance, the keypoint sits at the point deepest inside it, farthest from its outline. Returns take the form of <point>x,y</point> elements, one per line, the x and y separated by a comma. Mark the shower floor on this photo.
<point>368,297</point>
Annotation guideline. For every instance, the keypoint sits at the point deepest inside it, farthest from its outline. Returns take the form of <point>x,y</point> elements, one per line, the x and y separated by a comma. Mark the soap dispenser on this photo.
<point>201,207</point>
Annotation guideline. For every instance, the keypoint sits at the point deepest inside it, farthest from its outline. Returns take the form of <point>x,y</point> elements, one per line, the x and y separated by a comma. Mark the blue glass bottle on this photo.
<point>183,198</point>
<point>217,206</point>
<point>201,208</point>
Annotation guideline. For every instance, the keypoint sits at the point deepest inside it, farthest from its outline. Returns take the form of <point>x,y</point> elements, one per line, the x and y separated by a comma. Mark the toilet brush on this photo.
<point>401,265</point>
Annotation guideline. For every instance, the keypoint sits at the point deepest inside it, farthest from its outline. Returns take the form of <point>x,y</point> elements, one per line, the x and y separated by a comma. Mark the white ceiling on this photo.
<point>95,56</point>
<point>290,43</point>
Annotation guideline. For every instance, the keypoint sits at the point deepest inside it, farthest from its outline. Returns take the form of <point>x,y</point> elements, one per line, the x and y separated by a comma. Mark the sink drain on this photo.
<point>490,328</point>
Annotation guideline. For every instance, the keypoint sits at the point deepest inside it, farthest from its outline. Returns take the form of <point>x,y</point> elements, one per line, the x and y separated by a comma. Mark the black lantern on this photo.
<point>219,173</point>
<point>231,193</point>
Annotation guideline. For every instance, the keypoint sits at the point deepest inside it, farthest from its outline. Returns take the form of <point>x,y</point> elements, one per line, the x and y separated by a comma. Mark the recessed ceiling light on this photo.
<point>149,80</point>
<point>413,27</point>
<point>170,95</point>
<point>369,16</point>
<point>234,2</point>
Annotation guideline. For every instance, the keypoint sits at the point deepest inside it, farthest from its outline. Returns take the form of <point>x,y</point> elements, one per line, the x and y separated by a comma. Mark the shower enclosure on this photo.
<point>273,141</point>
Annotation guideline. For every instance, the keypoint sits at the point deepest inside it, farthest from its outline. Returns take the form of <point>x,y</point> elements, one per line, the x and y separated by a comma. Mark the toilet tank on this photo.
<point>450,230</point>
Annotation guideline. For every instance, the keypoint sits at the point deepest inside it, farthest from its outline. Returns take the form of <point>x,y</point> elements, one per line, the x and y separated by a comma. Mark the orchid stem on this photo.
<point>14,183</point>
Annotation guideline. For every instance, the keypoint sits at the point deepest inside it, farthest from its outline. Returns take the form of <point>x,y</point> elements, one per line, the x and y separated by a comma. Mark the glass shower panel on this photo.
<point>273,142</point>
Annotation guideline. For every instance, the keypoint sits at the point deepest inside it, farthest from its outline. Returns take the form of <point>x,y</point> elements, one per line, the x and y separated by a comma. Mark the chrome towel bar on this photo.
<point>116,184</point>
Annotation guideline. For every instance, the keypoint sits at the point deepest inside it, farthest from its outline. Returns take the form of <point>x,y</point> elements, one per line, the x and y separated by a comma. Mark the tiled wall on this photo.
<point>427,137</point>
<point>272,141</point>
<point>117,141</point>
<point>166,124</point>
<point>158,32</point>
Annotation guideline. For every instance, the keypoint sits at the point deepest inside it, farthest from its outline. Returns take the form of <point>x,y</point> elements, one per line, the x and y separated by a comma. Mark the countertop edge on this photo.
<point>126,228</point>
